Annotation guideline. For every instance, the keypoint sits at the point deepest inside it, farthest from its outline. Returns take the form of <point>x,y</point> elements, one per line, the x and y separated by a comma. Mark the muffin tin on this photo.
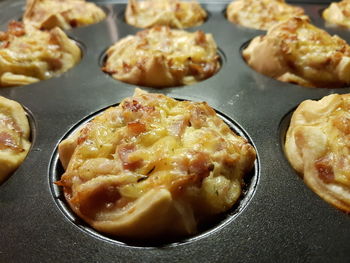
<point>279,219</point>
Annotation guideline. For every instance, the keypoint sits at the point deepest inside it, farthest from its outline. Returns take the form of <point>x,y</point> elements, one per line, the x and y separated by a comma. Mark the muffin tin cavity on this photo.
<point>31,139</point>
<point>33,127</point>
<point>283,128</point>
<point>218,222</point>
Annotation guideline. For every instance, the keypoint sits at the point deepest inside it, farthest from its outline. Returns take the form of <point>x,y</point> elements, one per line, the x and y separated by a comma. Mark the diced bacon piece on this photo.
<point>55,63</point>
<point>136,127</point>
<point>83,135</point>
<point>200,165</point>
<point>325,170</point>
<point>200,38</point>
<point>343,124</point>
<point>123,153</point>
<point>7,141</point>
<point>16,28</point>
<point>3,36</point>
<point>178,127</point>
<point>95,198</point>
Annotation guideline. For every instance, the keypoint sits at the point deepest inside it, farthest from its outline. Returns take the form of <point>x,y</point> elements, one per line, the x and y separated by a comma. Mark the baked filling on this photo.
<point>14,136</point>
<point>318,147</point>
<point>28,55</point>
<point>153,166</point>
<point>261,14</point>
<point>338,13</point>
<point>296,51</point>
<point>163,57</point>
<point>172,13</point>
<point>66,14</point>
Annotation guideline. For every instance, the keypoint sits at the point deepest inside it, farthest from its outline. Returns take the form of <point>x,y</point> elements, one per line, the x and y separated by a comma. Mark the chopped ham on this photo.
<point>325,170</point>
<point>123,152</point>
<point>136,127</point>
<point>178,127</point>
<point>16,28</point>
<point>7,141</point>
<point>343,124</point>
<point>200,38</point>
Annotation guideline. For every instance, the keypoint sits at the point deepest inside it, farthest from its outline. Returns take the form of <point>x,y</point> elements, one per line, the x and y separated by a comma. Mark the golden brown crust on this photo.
<point>48,14</point>
<point>28,55</point>
<point>261,14</point>
<point>338,13</point>
<point>163,57</point>
<point>172,13</point>
<point>317,145</point>
<point>297,52</point>
<point>14,136</point>
<point>153,166</point>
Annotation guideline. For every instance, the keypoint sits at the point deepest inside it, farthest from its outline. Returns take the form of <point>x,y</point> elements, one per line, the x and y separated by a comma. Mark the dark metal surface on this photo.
<point>284,221</point>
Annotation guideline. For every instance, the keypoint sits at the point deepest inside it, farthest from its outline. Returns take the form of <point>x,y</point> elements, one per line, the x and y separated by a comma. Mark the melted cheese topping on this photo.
<point>48,14</point>
<point>338,13</point>
<point>261,14</point>
<point>318,146</point>
<point>14,136</point>
<point>153,166</point>
<point>161,57</point>
<point>297,52</point>
<point>172,13</point>
<point>28,55</point>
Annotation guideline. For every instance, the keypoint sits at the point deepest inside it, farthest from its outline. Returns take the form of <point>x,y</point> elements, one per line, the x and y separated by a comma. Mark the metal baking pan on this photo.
<point>279,220</point>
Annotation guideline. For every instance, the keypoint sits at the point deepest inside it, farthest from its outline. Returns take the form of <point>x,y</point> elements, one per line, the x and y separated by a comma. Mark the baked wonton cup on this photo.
<point>153,167</point>
<point>318,147</point>
<point>172,13</point>
<point>338,14</point>
<point>65,14</point>
<point>296,51</point>
<point>163,57</point>
<point>28,55</point>
<point>14,136</point>
<point>261,14</point>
